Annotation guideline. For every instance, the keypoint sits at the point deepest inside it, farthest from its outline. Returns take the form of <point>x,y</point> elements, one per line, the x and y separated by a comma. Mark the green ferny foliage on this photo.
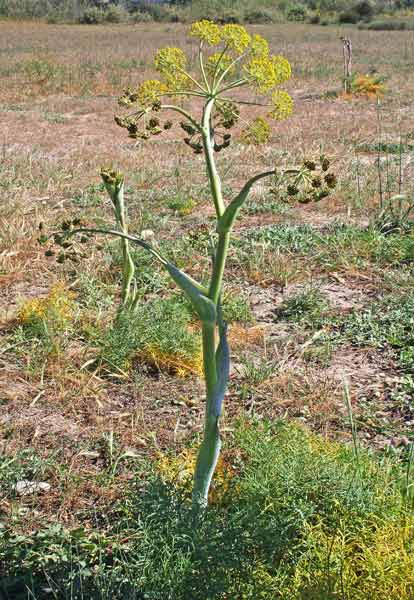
<point>230,62</point>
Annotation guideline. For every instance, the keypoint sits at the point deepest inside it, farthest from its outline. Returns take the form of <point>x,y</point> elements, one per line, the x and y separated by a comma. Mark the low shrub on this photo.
<point>261,15</point>
<point>314,19</point>
<point>389,25</point>
<point>116,14</point>
<point>111,14</point>
<point>92,16</point>
<point>361,11</point>
<point>349,16</point>
<point>141,16</point>
<point>296,12</point>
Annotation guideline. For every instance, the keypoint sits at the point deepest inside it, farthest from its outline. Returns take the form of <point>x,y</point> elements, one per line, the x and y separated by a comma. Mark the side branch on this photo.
<point>196,293</point>
<point>184,113</point>
<point>114,233</point>
<point>225,223</point>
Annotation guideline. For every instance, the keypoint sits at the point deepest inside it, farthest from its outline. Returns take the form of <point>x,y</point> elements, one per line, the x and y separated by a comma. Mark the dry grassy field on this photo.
<point>316,295</point>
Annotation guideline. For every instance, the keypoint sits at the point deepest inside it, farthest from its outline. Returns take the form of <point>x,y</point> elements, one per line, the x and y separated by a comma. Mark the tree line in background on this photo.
<point>373,14</point>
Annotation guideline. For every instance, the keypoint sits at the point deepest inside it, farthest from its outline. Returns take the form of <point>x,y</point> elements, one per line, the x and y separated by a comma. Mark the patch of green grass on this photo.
<point>57,118</point>
<point>93,195</point>
<point>256,372</point>
<point>309,308</point>
<point>288,238</point>
<point>386,147</point>
<point>387,324</point>
<point>302,517</point>
<point>265,205</point>
<point>183,205</point>
<point>236,307</point>
<point>24,465</point>
<point>157,333</point>
<point>336,247</point>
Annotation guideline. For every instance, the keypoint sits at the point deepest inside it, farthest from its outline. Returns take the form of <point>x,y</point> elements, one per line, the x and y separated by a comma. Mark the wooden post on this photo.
<point>347,51</point>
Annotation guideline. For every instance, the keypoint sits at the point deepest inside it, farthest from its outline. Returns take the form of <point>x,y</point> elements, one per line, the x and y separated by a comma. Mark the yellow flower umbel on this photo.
<point>231,62</point>
<point>206,31</point>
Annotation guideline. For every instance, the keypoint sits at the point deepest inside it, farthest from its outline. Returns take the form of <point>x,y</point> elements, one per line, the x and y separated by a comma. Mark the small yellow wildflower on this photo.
<point>222,61</point>
<point>257,132</point>
<point>206,31</point>
<point>282,105</point>
<point>259,46</point>
<point>149,91</point>
<point>170,60</point>
<point>235,37</point>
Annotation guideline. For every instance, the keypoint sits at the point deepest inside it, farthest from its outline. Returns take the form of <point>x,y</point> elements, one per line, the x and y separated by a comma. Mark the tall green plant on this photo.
<point>230,63</point>
<point>114,184</point>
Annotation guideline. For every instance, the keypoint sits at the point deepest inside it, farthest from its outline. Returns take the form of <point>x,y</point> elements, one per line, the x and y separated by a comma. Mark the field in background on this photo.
<point>314,295</point>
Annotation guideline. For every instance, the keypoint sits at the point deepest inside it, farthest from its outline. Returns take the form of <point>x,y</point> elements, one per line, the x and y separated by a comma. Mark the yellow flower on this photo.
<point>257,132</point>
<point>268,72</point>
<point>282,68</point>
<point>235,37</point>
<point>222,61</point>
<point>259,46</point>
<point>170,60</point>
<point>149,91</point>
<point>282,105</point>
<point>206,31</point>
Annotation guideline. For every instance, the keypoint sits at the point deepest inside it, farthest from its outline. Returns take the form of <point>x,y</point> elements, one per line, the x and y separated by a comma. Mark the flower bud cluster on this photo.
<point>313,182</point>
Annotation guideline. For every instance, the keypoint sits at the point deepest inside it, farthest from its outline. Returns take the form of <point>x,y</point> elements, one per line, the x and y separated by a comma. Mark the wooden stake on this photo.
<point>347,51</point>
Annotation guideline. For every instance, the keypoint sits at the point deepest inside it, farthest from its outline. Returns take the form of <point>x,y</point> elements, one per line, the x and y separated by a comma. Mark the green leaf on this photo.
<point>203,306</point>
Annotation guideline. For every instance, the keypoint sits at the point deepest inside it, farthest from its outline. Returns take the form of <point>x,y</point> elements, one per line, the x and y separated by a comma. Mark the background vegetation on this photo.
<point>385,14</point>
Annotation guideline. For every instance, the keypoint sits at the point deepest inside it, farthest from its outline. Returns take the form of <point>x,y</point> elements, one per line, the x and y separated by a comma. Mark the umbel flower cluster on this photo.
<point>231,62</point>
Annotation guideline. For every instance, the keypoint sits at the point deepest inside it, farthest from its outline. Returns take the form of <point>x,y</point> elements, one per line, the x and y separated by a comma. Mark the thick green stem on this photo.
<point>219,266</point>
<point>213,176</point>
<point>210,448</point>
<point>215,362</point>
<point>209,357</point>
<point>128,273</point>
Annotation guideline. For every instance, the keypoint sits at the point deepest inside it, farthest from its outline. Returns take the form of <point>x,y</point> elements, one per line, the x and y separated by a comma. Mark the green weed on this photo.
<point>309,308</point>
<point>236,307</point>
<point>387,324</point>
<point>157,334</point>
